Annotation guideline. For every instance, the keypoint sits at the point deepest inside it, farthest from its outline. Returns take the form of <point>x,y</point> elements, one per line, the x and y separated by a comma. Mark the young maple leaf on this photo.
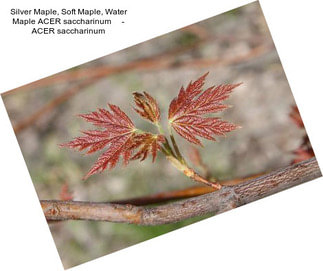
<point>148,143</point>
<point>119,135</point>
<point>147,107</point>
<point>186,111</point>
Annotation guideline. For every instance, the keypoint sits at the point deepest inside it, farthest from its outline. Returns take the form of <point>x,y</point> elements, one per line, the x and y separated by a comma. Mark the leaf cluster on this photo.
<point>188,115</point>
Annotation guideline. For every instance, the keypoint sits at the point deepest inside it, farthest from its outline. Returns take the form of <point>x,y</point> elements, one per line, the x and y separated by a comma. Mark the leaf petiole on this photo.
<point>177,151</point>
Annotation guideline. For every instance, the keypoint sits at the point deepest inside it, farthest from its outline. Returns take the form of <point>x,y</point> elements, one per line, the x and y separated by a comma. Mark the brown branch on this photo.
<point>216,62</point>
<point>51,105</point>
<point>182,193</point>
<point>195,157</point>
<point>216,202</point>
<point>167,196</point>
<point>154,61</point>
<point>89,72</point>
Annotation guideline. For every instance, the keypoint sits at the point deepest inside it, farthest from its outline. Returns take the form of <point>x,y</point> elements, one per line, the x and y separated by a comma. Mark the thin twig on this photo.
<point>216,202</point>
<point>177,151</point>
<point>191,173</point>
<point>189,192</point>
<point>167,196</point>
<point>196,159</point>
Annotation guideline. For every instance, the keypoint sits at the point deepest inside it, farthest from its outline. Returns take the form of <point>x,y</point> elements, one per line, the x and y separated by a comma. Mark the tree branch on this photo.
<point>216,202</point>
<point>189,192</point>
<point>163,197</point>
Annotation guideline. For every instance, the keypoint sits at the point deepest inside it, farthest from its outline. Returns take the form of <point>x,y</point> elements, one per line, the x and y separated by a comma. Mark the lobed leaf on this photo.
<point>119,146</point>
<point>187,110</point>
<point>148,143</point>
<point>118,135</point>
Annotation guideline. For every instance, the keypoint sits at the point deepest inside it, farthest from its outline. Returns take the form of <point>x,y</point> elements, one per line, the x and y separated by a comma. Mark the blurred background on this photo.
<point>234,47</point>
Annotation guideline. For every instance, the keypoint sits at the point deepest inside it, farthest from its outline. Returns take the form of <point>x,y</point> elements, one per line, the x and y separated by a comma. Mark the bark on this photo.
<point>216,202</point>
<point>190,192</point>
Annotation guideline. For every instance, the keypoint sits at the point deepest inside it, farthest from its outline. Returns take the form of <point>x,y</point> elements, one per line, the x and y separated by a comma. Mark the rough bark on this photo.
<point>216,202</point>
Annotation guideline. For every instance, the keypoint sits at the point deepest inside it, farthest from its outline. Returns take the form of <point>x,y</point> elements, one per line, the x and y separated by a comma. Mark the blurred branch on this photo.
<point>207,62</point>
<point>181,194</point>
<point>197,30</point>
<point>167,196</point>
<point>93,74</point>
<point>216,202</point>
<point>161,61</point>
<point>100,71</point>
<point>196,159</point>
<point>29,120</point>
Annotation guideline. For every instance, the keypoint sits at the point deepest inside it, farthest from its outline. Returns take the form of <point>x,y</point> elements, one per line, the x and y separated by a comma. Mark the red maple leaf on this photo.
<point>187,110</point>
<point>119,136</point>
<point>147,107</point>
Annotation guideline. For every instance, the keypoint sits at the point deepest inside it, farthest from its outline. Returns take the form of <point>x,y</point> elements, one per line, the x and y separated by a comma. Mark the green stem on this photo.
<point>177,151</point>
<point>167,148</point>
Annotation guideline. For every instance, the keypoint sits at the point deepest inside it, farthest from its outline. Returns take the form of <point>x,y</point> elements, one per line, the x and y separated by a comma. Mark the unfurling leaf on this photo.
<point>187,110</point>
<point>147,107</point>
<point>148,143</point>
<point>118,135</point>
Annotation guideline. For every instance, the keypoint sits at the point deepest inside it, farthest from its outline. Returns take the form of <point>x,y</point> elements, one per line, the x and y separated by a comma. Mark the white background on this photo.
<point>281,232</point>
